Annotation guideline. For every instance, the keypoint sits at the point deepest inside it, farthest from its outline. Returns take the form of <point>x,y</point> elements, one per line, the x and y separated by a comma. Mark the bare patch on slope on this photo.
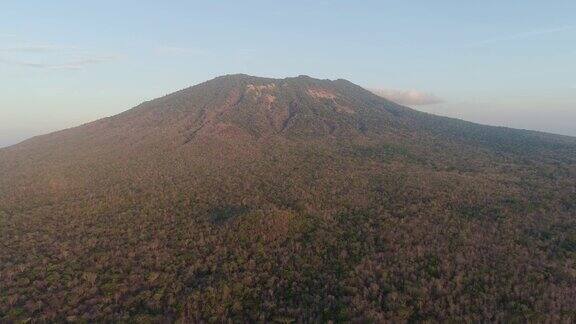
<point>321,93</point>
<point>262,93</point>
<point>257,90</point>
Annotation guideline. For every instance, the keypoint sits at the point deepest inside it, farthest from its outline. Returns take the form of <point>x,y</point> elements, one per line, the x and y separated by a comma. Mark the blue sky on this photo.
<point>512,63</point>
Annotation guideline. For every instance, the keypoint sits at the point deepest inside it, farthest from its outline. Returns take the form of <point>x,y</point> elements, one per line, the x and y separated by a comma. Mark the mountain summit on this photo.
<point>297,199</point>
<point>240,109</point>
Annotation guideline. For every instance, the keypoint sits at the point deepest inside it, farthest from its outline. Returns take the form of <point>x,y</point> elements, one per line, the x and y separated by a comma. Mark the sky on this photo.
<point>506,63</point>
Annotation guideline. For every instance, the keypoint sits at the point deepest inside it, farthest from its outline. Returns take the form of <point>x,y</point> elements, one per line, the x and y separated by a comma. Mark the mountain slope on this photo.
<point>250,198</point>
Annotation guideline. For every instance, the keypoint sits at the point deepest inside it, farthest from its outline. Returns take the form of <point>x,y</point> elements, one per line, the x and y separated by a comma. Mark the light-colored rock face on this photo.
<point>259,90</point>
<point>263,93</point>
<point>321,93</point>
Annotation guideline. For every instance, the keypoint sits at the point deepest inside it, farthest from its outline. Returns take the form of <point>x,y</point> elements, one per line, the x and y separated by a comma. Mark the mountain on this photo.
<point>280,200</point>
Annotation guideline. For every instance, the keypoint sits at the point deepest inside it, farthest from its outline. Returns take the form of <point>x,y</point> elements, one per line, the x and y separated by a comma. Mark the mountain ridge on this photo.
<point>241,80</point>
<point>302,200</point>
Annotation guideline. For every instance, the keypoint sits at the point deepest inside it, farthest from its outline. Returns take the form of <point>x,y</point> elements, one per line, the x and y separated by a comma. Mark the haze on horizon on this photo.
<point>66,63</point>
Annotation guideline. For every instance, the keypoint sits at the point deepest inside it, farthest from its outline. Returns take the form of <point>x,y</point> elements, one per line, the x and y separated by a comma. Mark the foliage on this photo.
<point>214,204</point>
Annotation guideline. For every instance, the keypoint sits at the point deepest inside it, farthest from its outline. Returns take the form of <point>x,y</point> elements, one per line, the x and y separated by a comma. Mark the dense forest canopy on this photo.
<point>282,200</point>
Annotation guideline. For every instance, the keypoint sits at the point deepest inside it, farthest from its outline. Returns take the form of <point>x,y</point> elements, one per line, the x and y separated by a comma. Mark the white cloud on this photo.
<point>50,56</point>
<point>77,64</point>
<point>35,48</point>
<point>407,97</point>
<point>30,48</point>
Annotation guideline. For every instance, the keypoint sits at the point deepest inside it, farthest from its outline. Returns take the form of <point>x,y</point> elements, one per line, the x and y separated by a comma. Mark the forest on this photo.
<point>238,201</point>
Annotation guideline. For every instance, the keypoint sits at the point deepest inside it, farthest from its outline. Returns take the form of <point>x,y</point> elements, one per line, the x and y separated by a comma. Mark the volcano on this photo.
<point>256,199</point>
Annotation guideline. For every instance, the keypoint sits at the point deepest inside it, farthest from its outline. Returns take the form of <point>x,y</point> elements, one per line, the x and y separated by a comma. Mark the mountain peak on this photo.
<point>240,109</point>
<point>293,105</point>
<point>235,77</point>
<point>210,197</point>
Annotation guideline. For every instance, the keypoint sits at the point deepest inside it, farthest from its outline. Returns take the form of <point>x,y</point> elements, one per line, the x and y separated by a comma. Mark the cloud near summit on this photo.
<point>407,97</point>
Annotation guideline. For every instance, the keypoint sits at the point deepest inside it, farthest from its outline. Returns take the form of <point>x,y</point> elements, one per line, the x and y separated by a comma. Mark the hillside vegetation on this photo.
<point>287,200</point>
